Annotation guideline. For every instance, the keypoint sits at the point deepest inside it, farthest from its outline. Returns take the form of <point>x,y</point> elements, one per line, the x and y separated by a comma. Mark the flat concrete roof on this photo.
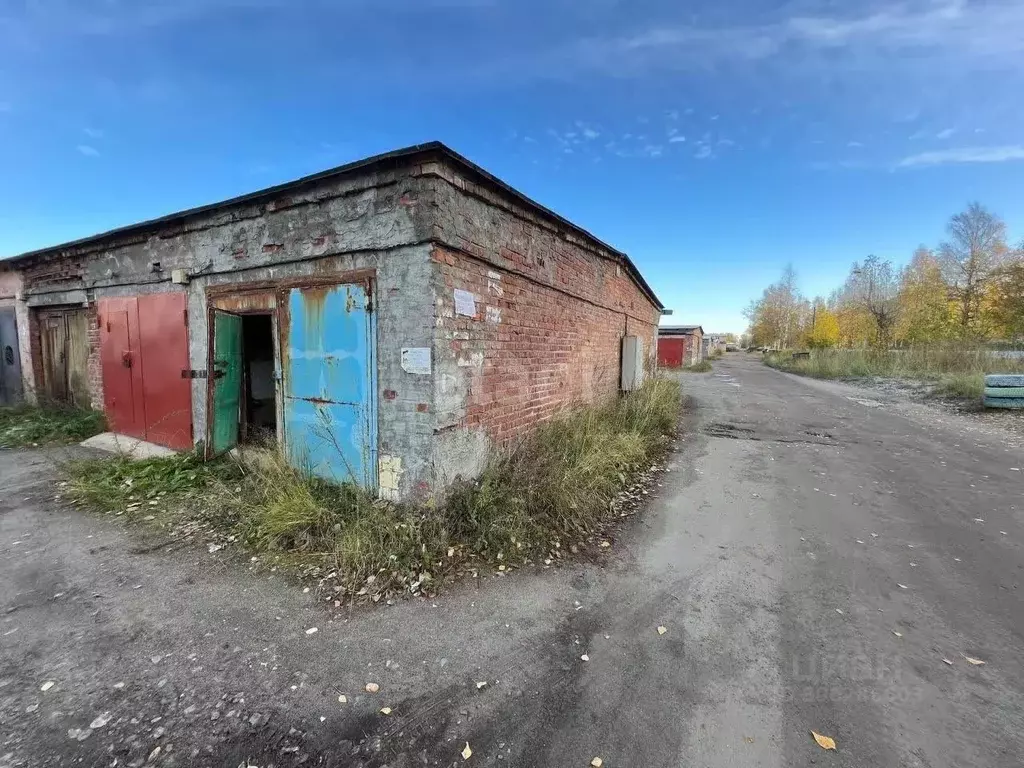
<point>407,156</point>
<point>678,330</point>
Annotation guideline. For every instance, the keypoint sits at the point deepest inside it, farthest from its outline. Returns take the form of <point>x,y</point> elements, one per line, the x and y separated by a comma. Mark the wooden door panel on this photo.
<point>53,334</point>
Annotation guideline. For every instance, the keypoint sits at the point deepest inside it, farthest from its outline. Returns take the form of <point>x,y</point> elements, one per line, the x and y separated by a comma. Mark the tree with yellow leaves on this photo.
<point>823,331</point>
<point>925,307</point>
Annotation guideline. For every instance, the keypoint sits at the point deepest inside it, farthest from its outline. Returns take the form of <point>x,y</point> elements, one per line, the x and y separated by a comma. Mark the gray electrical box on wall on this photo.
<point>632,363</point>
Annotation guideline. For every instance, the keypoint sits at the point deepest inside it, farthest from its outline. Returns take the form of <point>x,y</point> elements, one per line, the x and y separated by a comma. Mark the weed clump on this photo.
<point>28,426</point>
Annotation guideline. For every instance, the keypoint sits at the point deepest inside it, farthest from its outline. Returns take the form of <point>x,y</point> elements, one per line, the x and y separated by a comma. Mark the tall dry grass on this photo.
<point>547,492</point>
<point>956,370</point>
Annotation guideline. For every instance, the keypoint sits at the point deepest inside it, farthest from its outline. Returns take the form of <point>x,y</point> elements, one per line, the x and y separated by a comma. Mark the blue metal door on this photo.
<point>330,404</point>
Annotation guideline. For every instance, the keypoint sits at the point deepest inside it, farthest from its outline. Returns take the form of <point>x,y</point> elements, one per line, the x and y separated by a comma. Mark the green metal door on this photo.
<point>227,380</point>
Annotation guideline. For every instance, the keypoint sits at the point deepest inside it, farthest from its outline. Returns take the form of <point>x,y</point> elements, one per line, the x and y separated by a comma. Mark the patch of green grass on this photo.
<point>25,425</point>
<point>553,489</point>
<point>965,385</point>
<point>704,366</point>
<point>126,486</point>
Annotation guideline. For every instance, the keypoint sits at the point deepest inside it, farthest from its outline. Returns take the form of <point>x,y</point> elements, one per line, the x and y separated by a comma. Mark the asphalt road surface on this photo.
<point>821,558</point>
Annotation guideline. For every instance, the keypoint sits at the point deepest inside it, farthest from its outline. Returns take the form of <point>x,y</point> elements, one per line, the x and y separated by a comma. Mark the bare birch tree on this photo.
<point>975,251</point>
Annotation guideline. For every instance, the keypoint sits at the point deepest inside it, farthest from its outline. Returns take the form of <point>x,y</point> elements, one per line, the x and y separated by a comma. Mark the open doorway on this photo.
<point>243,392</point>
<point>258,411</point>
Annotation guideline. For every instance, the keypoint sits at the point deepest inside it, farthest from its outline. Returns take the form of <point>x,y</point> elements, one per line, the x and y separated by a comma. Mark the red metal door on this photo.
<point>670,352</point>
<point>121,362</point>
<point>163,327</point>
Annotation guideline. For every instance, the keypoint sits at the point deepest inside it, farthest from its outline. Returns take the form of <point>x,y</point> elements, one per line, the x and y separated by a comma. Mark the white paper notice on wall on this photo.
<point>465,303</point>
<point>416,359</point>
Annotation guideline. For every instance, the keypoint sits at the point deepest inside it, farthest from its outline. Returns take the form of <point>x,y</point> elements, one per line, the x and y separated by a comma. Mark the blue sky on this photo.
<point>713,141</point>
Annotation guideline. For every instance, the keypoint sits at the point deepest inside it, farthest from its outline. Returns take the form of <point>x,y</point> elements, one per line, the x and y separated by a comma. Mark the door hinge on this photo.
<point>184,316</point>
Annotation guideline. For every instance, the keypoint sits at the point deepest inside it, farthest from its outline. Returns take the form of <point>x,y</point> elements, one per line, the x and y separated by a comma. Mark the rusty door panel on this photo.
<point>330,410</point>
<point>163,341</point>
<point>252,301</point>
<point>121,364</point>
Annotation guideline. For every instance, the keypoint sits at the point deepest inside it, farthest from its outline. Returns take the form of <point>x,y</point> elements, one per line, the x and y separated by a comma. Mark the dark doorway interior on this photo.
<point>259,411</point>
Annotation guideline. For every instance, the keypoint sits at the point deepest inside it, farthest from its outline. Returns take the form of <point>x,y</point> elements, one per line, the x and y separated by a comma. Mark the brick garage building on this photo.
<point>389,320</point>
<point>680,345</point>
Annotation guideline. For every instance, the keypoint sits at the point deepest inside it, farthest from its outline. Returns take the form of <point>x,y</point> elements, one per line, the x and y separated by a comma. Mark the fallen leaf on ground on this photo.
<point>662,630</point>
<point>898,634</point>
<point>372,687</point>
<point>343,699</point>
<point>312,631</point>
<point>597,762</point>
<point>385,710</point>
<point>100,721</point>
<point>481,684</point>
<point>584,657</point>
<point>823,741</point>
<point>902,586</point>
<point>947,661</point>
<point>748,739</point>
<point>973,661</point>
<point>839,611</point>
<point>47,686</point>
<point>467,752</point>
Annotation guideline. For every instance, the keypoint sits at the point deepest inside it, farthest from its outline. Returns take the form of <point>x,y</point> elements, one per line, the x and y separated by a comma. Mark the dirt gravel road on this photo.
<point>820,559</point>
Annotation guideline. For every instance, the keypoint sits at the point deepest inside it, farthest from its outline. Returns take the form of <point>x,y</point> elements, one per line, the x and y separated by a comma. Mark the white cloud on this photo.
<point>896,35</point>
<point>93,133</point>
<point>590,133</point>
<point>854,145</point>
<point>947,133</point>
<point>88,151</point>
<point>964,155</point>
<point>677,140</point>
<point>703,153</point>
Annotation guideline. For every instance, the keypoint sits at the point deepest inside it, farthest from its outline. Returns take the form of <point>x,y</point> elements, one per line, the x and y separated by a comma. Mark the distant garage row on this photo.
<point>386,322</point>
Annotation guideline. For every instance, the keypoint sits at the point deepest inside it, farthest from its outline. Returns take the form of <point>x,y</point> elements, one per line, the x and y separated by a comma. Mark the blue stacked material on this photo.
<point>1004,390</point>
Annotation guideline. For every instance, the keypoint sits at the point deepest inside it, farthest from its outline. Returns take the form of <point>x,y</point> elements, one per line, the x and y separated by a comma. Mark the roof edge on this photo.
<point>394,158</point>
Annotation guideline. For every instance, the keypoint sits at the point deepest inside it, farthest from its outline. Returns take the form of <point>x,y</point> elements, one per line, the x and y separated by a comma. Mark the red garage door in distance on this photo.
<point>163,334</point>
<point>670,351</point>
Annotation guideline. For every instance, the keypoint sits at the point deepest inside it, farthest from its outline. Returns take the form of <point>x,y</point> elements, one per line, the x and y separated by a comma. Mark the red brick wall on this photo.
<point>533,349</point>
<point>95,364</point>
